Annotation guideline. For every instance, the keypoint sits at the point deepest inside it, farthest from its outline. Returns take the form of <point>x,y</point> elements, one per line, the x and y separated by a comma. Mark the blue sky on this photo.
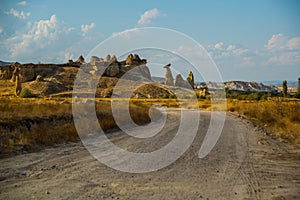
<point>248,40</point>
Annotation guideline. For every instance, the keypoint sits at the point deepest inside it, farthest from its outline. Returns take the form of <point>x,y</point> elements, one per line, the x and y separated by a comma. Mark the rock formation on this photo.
<point>180,82</point>
<point>18,85</point>
<point>80,60</point>
<point>39,78</point>
<point>16,67</point>
<point>168,76</point>
<point>190,79</point>
<point>134,60</point>
<point>16,78</point>
<point>112,70</point>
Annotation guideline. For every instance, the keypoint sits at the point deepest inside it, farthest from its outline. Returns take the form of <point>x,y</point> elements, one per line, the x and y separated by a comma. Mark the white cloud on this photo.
<point>219,45</point>
<point>248,61</point>
<point>48,40</point>
<point>22,3</point>
<point>68,56</point>
<point>39,35</point>
<point>1,29</point>
<point>277,41</point>
<point>86,28</point>
<point>71,29</point>
<point>294,43</point>
<point>147,16</point>
<point>20,15</point>
<point>286,58</point>
<point>281,42</point>
<point>128,33</point>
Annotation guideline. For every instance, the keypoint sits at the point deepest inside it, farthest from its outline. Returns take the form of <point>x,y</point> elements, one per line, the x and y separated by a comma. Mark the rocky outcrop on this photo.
<point>249,86</point>
<point>16,71</point>
<point>39,78</point>
<point>112,70</point>
<point>168,75</point>
<point>18,85</point>
<point>179,82</point>
<point>134,59</point>
<point>80,59</point>
<point>6,72</point>
<point>238,86</point>
<point>190,79</point>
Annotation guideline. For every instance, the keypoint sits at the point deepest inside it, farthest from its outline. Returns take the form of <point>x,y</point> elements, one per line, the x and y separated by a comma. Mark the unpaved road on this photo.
<point>244,164</point>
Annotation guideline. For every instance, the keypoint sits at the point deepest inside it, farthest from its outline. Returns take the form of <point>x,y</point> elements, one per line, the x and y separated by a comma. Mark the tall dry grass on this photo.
<point>31,124</point>
<point>281,116</point>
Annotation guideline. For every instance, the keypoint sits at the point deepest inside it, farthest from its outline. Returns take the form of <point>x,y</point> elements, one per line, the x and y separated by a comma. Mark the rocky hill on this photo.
<point>238,86</point>
<point>57,79</point>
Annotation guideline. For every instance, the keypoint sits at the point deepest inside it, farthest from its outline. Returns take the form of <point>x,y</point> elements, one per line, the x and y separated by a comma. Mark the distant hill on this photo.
<point>158,79</point>
<point>279,83</point>
<point>239,86</point>
<point>3,63</point>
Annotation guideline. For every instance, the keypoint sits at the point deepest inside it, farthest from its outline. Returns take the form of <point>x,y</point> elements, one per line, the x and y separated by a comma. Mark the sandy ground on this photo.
<point>244,164</point>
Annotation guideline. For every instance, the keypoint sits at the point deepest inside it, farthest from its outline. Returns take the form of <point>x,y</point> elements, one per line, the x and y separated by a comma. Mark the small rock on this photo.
<point>47,192</point>
<point>23,174</point>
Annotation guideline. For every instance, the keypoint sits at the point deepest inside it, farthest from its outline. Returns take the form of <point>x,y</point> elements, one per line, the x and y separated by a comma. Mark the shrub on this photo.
<point>26,93</point>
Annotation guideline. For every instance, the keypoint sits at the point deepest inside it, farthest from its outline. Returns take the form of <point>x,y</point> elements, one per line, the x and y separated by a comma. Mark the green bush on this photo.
<point>26,93</point>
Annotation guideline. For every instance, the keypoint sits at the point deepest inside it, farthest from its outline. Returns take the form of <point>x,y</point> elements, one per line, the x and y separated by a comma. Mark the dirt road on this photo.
<point>245,164</point>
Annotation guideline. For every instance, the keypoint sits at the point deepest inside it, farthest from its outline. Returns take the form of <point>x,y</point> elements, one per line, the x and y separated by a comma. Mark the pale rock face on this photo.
<point>106,58</point>
<point>180,82</point>
<point>168,76</point>
<point>113,59</point>
<point>94,60</point>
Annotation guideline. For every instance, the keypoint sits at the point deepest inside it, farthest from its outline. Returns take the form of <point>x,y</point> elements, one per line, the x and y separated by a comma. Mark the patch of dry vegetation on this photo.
<point>30,124</point>
<point>281,116</point>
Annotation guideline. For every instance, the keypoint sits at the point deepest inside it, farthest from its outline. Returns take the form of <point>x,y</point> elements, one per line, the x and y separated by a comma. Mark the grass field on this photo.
<point>29,124</point>
<point>281,116</point>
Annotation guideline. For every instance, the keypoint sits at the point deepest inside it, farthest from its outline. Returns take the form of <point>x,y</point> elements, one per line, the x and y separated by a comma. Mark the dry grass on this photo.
<point>282,117</point>
<point>30,124</point>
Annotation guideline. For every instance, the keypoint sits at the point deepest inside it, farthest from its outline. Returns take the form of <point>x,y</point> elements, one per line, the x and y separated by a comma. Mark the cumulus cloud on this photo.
<point>147,16</point>
<point>294,43</point>
<point>277,41</point>
<point>128,33</point>
<point>219,45</point>
<point>40,34</point>
<point>39,40</point>
<point>20,15</point>
<point>22,3</point>
<point>281,42</point>
<point>85,28</point>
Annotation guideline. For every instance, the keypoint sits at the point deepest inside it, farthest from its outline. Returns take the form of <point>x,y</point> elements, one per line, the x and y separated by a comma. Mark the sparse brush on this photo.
<point>26,93</point>
<point>282,117</point>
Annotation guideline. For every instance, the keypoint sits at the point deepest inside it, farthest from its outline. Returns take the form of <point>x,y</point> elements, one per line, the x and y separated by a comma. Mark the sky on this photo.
<point>248,40</point>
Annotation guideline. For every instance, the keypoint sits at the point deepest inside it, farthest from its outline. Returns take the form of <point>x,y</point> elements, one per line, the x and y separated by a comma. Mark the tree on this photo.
<point>284,88</point>
<point>298,86</point>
